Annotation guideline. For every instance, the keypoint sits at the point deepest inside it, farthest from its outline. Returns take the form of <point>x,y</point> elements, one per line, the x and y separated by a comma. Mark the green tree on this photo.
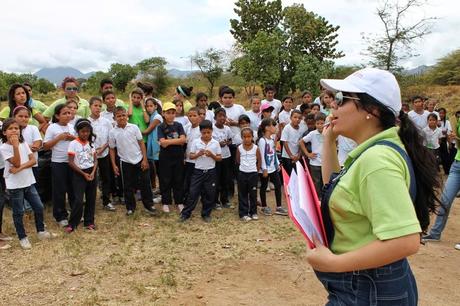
<point>121,75</point>
<point>210,63</point>
<point>309,71</point>
<point>44,86</point>
<point>447,70</point>
<point>92,85</point>
<point>154,71</point>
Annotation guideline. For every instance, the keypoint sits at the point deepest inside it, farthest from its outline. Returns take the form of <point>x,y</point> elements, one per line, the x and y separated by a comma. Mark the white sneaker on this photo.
<point>457,246</point>
<point>270,184</point>
<point>25,244</point>
<point>255,217</point>
<point>157,200</point>
<point>180,207</point>
<point>63,223</point>
<point>246,218</point>
<point>166,208</point>
<point>46,235</point>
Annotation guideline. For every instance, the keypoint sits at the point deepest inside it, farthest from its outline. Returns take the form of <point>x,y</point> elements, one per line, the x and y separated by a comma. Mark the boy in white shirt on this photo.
<point>290,137</point>
<point>192,132</point>
<point>205,151</point>
<point>418,115</point>
<point>432,134</point>
<point>254,113</point>
<point>270,92</point>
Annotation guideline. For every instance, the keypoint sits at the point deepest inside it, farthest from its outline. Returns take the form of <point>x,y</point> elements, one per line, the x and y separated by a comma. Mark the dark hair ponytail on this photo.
<point>423,161</point>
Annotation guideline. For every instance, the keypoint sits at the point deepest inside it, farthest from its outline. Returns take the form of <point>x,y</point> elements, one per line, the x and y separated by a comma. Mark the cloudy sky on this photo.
<point>90,35</point>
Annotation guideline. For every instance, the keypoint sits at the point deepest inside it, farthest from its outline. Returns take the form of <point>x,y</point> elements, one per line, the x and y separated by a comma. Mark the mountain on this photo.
<point>176,73</point>
<point>417,70</point>
<point>57,74</point>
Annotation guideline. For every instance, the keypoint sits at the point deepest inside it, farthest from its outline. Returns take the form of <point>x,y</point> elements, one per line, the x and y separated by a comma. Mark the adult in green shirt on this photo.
<point>70,86</point>
<point>181,94</point>
<point>372,224</point>
<point>107,85</point>
<point>37,105</point>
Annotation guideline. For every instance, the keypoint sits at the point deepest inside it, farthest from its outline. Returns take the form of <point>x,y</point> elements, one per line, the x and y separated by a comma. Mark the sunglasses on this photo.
<point>71,89</point>
<point>340,98</point>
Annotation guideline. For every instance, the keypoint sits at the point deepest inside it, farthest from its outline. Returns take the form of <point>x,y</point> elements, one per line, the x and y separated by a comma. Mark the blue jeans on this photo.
<point>17,197</point>
<point>392,284</point>
<point>451,188</point>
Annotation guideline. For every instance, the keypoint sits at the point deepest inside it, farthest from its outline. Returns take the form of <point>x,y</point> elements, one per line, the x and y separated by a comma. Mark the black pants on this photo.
<point>105,175</point>
<point>61,179</point>
<point>2,199</point>
<point>317,178</point>
<point>134,178</point>
<point>223,178</point>
<point>171,179</point>
<point>247,193</point>
<point>447,153</point>
<point>87,189</point>
<point>203,182</point>
<point>233,170</point>
<point>275,179</point>
<point>189,167</point>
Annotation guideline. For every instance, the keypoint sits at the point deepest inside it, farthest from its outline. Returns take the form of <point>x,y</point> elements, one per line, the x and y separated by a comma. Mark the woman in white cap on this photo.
<point>375,209</point>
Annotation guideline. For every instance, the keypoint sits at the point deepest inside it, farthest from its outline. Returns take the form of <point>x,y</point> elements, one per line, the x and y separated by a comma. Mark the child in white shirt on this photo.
<point>290,137</point>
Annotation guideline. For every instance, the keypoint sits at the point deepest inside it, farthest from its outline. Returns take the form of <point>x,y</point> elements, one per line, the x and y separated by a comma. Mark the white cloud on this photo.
<point>90,35</point>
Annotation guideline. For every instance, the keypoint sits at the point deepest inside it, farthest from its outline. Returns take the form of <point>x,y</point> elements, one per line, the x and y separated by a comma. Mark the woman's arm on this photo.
<point>329,158</point>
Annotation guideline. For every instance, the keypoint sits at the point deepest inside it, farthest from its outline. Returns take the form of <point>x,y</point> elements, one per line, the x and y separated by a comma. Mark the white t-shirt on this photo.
<point>431,137</point>
<point>284,117</point>
<point>209,115</point>
<point>316,139</point>
<point>344,146</point>
<point>267,150</point>
<point>74,120</point>
<point>23,178</point>
<point>109,116</point>
<point>255,120</point>
<point>31,134</point>
<point>83,153</point>
<point>192,133</point>
<point>126,140</point>
<point>182,120</point>
<point>101,128</point>
<point>234,112</point>
<point>220,135</point>
<point>291,136</point>
<point>59,151</point>
<point>205,162</point>
<point>421,121</point>
<point>276,106</point>
<point>248,159</point>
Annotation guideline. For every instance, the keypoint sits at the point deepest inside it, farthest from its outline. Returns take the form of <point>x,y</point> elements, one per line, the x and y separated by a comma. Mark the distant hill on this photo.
<point>57,74</point>
<point>176,73</point>
<point>417,70</point>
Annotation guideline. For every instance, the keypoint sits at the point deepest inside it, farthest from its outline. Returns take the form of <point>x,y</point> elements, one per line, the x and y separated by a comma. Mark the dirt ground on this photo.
<point>145,260</point>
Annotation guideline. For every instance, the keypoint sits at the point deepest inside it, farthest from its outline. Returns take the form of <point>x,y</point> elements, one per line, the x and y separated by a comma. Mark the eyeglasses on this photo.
<point>340,98</point>
<point>71,89</point>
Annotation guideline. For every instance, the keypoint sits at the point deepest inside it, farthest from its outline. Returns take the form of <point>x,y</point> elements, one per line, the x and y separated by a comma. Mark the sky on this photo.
<point>90,35</point>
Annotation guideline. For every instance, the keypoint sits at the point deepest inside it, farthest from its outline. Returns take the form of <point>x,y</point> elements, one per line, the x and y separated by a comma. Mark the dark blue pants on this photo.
<point>392,284</point>
<point>61,179</point>
<point>203,182</point>
<point>17,197</point>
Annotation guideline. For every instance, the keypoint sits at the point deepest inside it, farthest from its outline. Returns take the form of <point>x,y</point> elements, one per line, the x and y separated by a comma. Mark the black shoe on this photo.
<point>227,205</point>
<point>150,210</point>
<point>182,219</point>
<point>207,219</point>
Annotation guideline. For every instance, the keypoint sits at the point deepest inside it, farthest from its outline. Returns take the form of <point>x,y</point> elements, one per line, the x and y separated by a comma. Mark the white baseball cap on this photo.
<point>377,83</point>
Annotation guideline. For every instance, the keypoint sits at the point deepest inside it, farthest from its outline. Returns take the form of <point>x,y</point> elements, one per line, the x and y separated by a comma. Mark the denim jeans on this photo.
<point>17,197</point>
<point>451,188</point>
<point>392,284</point>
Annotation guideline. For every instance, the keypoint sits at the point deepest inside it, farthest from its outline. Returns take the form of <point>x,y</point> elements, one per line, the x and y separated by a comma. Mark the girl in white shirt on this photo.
<point>20,180</point>
<point>180,117</point>
<point>284,117</point>
<point>72,105</point>
<point>57,139</point>
<point>432,135</point>
<point>202,103</point>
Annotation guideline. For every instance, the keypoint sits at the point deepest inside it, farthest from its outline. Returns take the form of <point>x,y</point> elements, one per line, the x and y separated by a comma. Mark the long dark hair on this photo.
<point>81,124</point>
<point>12,103</point>
<point>423,161</point>
<point>263,124</point>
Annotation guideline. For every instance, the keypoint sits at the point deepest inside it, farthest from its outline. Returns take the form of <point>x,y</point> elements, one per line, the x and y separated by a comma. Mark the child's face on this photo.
<point>442,114</point>
<point>84,133</point>
<point>227,100</point>
<point>20,96</point>
<point>270,95</point>
<point>315,109</point>
<point>306,112</point>
<point>295,119</point>
<point>22,117</point>
<point>110,101</point>
<point>418,104</point>
<point>12,130</point>
<point>288,103</point>
<point>202,102</point>
<point>266,114</point>
<point>121,117</point>
<point>306,99</point>
<point>431,106</point>
<point>319,124</point>
<point>327,100</point>
<point>256,105</point>
<point>432,122</point>
<point>202,114</point>
<point>311,124</point>
<point>271,128</point>
<point>73,110</point>
<point>136,99</point>
<point>247,137</point>
<point>220,118</point>
<point>169,115</point>
<point>107,86</point>
<point>150,107</point>
<point>206,134</point>
<point>179,107</point>
<point>194,118</point>
<point>64,116</point>
<point>96,108</point>
<point>243,123</point>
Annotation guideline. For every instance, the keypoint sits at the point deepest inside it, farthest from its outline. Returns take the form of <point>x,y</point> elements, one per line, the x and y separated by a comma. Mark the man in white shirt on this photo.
<point>418,115</point>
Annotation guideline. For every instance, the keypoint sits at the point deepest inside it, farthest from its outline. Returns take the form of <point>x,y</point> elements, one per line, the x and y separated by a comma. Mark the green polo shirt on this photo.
<point>372,200</point>
<point>83,108</point>
<point>5,113</point>
<point>117,103</point>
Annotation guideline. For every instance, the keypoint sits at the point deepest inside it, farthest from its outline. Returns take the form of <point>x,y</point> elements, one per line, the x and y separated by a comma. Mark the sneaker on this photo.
<point>207,219</point>
<point>180,207</point>
<point>4,245</point>
<point>63,223</point>
<point>157,200</point>
<point>129,212</point>
<point>266,211</point>
<point>281,211</point>
<point>245,218</point>
<point>270,184</point>
<point>90,227</point>
<point>227,205</point>
<point>150,210</point>
<point>4,237</point>
<point>109,207</point>
<point>166,209</point>
<point>45,235</point>
<point>25,244</point>
<point>68,229</point>
<point>255,217</point>
<point>457,246</point>
<point>268,189</point>
<point>218,206</point>
<point>430,238</point>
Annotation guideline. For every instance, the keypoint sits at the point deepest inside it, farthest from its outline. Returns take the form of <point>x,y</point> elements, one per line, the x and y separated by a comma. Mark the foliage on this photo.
<point>92,85</point>
<point>447,70</point>
<point>121,75</point>
<point>272,42</point>
<point>395,43</point>
<point>39,85</point>
<point>210,63</point>
<point>154,71</point>
<point>309,71</point>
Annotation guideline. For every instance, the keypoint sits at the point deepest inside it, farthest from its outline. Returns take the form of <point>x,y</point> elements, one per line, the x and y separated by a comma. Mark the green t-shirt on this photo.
<point>372,200</point>
<point>83,108</point>
<point>117,103</point>
<point>5,113</point>
<point>137,118</point>
<point>457,156</point>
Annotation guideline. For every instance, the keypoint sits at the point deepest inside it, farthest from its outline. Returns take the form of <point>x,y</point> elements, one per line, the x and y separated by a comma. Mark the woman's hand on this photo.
<point>328,130</point>
<point>321,258</point>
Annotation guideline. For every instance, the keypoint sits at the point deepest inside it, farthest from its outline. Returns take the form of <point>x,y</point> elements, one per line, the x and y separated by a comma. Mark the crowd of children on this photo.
<point>170,153</point>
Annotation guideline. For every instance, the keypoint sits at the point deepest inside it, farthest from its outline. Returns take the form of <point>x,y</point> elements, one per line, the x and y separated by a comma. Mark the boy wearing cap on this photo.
<point>171,137</point>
